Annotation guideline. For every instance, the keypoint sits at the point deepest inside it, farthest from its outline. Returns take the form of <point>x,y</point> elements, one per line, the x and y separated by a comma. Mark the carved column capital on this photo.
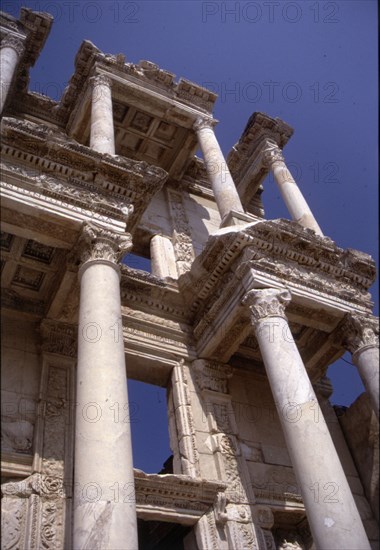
<point>13,42</point>
<point>267,302</point>
<point>356,332</point>
<point>98,244</point>
<point>100,80</point>
<point>271,153</point>
<point>203,122</point>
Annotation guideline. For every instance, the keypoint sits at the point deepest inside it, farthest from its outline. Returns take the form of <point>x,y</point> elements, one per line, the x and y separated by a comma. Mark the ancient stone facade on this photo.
<point>239,319</point>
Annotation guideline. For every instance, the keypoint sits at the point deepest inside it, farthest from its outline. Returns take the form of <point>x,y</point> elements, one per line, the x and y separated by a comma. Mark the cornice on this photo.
<point>135,182</point>
<point>148,74</point>
<point>282,249</point>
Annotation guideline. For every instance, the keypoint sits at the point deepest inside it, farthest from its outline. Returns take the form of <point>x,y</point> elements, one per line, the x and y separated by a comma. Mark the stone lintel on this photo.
<point>179,498</point>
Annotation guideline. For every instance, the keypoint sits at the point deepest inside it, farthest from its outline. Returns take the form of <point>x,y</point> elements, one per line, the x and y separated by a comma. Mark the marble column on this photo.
<point>290,192</point>
<point>102,135</point>
<point>360,335</point>
<point>11,50</point>
<point>104,494</point>
<point>223,186</point>
<point>162,257</point>
<point>330,507</point>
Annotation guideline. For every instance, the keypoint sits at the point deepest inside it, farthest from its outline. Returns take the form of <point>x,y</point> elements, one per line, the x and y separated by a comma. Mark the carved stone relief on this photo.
<point>182,242</point>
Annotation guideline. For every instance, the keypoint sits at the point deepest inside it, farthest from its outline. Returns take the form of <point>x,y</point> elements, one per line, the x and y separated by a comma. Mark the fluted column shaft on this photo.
<point>360,335</point>
<point>11,50</point>
<point>332,513</point>
<point>102,136</point>
<point>223,186</point>
<point>104,507</point>
<point>290,192</point>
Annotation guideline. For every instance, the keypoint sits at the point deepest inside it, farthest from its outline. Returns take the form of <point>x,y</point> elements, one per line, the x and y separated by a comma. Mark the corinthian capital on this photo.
<point>271,153</point>
<point>96,243</point>
<point>356,332</point>
<point>13,42</point>
<point>203,122</point>
<point>100,79</point>
<point>267,302</point>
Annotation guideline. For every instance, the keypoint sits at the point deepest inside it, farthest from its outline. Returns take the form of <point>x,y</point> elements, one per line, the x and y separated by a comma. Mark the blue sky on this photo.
<point>311,63</point>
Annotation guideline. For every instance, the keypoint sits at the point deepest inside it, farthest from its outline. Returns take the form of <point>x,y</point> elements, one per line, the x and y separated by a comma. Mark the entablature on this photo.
<point>115,186</point>
<point>325,281</point>
<point>246,161</point>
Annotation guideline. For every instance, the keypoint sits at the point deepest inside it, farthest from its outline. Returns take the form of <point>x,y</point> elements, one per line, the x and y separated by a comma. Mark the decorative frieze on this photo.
<point>59,338</point>
<point>211,375</point>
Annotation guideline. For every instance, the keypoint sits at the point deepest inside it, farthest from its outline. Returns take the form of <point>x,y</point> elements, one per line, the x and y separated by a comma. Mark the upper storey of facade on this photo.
<point>118,150</point>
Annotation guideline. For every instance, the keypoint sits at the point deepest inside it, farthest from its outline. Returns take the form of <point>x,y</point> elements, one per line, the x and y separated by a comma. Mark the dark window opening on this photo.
<point>161,535</point>
<point>345,380</point>
<point>149,427</point>
<point>137,262</point>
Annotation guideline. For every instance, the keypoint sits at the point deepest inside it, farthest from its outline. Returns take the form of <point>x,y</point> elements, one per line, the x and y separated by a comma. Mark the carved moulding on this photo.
<point>60,338</point>
<point>184,421</point>
<point>32,513</point>
<point>295,256</point>
<point>182,241</point>
<point>135,181</point>
<point>76,195</point>
<point>172,496</point>
<point>211,375</point>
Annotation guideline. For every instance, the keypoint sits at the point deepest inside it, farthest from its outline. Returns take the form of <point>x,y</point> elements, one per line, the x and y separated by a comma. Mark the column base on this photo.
<point>239,218</point>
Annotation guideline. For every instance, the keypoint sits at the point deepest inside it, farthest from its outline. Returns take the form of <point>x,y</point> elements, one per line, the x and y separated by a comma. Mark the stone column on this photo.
<point>223,186</point>
<point>11,50</point>
<point>294,200</point>
<point>332,513</point>
<point>360,335</point>
<point>104,506</point>
<point>102,137</point>
<point>162,257</point>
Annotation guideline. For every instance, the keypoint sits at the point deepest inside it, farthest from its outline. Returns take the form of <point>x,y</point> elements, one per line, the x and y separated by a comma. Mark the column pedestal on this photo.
<point>223,186</point>
<point>290,192</point>
<point>11,50</point>
<point>104,506</point>
<point>332,513</point>
<point>102,137</point>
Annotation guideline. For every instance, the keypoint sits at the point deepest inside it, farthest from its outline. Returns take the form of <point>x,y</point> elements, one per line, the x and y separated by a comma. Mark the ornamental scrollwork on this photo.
<point>272,153</point>
<point>357,331</point>
<point>96,243</point>
<point>267,302</point>
<point>202,122</point>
